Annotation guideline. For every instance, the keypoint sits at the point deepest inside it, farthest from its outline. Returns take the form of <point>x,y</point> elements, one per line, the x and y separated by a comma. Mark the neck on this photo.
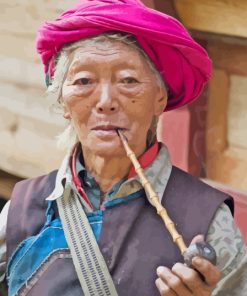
<point>106,171</point>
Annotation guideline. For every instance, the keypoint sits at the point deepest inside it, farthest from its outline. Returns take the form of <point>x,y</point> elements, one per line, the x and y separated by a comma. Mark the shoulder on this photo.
<point>191,203</point>
<point>37,182</point>
<point>40,186</point>
<point>189,186</point>
<point>191,183</point>
<point>29,197</point>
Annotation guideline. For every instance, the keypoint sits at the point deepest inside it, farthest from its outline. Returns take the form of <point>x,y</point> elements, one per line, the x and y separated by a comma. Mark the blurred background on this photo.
<point>208,138</point>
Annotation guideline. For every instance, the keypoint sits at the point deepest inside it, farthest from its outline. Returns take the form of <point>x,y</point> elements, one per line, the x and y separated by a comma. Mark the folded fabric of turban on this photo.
<point>182,62</point>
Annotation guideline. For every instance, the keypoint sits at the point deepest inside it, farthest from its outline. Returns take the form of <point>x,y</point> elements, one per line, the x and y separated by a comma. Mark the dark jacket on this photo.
<point>133,240</point>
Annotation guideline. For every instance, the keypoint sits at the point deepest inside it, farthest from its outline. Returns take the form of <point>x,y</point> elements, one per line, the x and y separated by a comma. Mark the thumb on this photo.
<point>198,238</point>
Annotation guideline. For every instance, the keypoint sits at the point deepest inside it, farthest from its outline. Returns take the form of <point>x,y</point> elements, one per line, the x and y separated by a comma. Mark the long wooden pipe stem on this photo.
<point>161,211</point>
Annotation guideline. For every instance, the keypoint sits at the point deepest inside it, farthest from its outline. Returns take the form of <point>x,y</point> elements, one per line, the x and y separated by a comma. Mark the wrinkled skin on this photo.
<point>184,281</point>
<point>109,86</point>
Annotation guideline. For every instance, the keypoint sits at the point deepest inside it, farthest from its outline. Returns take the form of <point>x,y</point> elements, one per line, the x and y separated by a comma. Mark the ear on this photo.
<point>160,102</point>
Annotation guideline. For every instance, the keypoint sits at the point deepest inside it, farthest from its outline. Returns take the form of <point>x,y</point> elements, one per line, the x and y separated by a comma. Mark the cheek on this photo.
<point>73,98</point>
<point>141,111</point>
<point>67,92</point>
<point>79,111</point>
<point>140,124</point>
<point>73,103</point>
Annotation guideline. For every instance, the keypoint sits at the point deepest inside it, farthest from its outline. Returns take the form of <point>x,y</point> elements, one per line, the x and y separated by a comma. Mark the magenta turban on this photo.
<point>183,63</point>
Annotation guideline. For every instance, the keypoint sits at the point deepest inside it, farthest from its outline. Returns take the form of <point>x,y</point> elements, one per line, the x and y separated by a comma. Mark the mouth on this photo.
<point>107,130</point>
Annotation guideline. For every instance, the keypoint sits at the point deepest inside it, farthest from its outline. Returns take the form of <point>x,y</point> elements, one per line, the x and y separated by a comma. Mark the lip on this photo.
<point>107,127</point>
<point>107,130</point>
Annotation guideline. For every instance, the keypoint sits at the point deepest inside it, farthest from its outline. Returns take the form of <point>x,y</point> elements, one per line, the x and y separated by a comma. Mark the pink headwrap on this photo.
<point>183,63</point>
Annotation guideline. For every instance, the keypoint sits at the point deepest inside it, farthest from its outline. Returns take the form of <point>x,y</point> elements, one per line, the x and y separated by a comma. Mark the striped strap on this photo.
<point>88,260</point>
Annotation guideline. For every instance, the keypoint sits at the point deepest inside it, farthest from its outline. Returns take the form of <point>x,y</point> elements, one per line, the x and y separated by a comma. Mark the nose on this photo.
<point>107,101</point>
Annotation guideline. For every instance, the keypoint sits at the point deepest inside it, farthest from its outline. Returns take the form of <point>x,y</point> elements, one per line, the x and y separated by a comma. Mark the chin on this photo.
<point>109,152</point>
<point>110,148</point>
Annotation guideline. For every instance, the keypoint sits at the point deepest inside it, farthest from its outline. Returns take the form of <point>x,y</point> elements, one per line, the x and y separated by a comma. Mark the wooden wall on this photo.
<point>227,113</point>
<point>27,129</point>
<point>215,145</point>
<point>214,16</point>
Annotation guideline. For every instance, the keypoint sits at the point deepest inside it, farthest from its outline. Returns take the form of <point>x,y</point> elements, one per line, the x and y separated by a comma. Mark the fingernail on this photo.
<point>160,270</point>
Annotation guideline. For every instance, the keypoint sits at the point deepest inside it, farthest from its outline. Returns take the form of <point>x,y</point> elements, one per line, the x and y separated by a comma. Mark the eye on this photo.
<point>129,80</point>
<point>83,81</point>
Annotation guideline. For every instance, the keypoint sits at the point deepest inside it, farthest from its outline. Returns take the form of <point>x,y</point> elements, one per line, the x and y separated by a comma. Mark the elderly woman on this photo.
<point>89,228</point>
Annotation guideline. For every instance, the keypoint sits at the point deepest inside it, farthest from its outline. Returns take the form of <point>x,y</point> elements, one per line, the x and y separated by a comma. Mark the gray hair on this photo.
<point>68,138</point>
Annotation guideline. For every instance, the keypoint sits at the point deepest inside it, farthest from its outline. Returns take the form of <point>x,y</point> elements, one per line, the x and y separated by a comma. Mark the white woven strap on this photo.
<point>88,260</point>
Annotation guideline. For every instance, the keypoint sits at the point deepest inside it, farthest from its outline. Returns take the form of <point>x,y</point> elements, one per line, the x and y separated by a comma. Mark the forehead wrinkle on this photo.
<point>76,59</point>
<point>116,56</point>
<point>103,49</point>
<point>99,51</point>
<point>116,62</point>
<point>105,54</point>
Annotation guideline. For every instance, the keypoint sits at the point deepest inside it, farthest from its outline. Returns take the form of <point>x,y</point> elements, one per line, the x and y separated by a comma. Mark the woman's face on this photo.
<point>109,85</point>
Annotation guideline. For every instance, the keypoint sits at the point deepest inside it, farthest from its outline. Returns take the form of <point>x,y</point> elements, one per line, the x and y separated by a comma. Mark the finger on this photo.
<point>210,272</point>
<point>190,278</point>
<point>198,238</point>
<point>173,281</point>
<point>163,288</point>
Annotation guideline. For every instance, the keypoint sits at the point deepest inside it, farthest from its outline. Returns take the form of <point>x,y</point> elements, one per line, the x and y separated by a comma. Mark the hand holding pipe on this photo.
<point>201,249</point>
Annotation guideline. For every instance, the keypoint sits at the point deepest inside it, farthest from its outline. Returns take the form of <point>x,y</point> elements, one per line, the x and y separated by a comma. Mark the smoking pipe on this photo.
<point>201,249</point>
